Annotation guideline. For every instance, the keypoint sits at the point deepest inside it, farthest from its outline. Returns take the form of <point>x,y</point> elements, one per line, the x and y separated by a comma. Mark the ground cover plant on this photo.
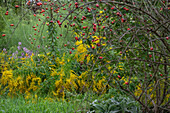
<point>66,49</point>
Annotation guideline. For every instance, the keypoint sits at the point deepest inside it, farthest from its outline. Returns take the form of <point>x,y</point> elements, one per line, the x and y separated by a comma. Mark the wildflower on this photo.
<point>19,43</point>
<point>19,47</point>
<point>4,49</point>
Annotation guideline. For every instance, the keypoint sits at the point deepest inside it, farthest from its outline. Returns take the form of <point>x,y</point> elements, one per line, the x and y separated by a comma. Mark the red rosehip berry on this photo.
<point>119,76</point>
<point>113,7</point>
<point>151,48</point>
<point>167,38</point>
<point>12,25</point>
<point>126,83</point>
<point>33,26</point>
<point>16,6</point>
<point>76,38</point>
<point>3,35</point>
<point>57,37</point>
<point>123,20</point>
<point>76,3</point>
<point>100,57</point>
<point>70,52</point>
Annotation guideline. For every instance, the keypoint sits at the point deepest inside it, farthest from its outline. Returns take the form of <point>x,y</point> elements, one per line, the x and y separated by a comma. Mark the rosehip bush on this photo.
<point>126,42</point>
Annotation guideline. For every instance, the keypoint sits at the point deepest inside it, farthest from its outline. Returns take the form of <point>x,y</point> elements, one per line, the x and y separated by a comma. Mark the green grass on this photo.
<point>41,105</point>
<point>24,32</point>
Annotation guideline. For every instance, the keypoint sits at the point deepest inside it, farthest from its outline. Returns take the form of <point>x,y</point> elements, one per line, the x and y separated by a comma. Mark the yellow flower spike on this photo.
<point>101,12</point>
<point>78,42</point>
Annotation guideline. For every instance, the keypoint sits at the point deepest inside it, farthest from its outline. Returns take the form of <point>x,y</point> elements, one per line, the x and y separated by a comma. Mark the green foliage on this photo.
<point>117,104</point>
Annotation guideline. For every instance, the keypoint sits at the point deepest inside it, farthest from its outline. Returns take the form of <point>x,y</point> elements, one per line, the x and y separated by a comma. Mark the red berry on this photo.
<point>97,5</point>
<point>3,35</point>
<point>126,83</point>
<point>75,17</point>
<point>16,6</point>
<point>70,52</point>
<point>84,27</point>
<point>76,38</point>
<point>151,75</point>
<point>123,20</point>
<point>151,48</point>
<point>100,57</point>
<point>65,45</point>
<point>57,37</point>
<point>104,27</point>
<point>83,34</point>
<point>34,14</point>
<point>76,3</point>
<point>31,42</point>
<point>93,47</point>
<point>128,29</point>
<point>150,56</point>
<point>33,26</point>
<point>6,13</point>
<point>73,48</point>
<point>167,38</point>
<point>160,74</point>
<point>61,35</point>
<point>119,76</point>
<point>12,25</point>
<point>35,29</point>
<point>113,7</point>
